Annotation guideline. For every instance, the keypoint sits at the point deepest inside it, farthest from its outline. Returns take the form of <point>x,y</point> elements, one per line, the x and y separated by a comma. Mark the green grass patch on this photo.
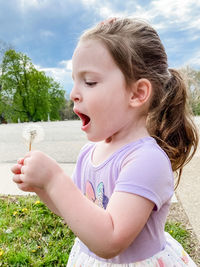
<point>178,232</point>
<point>31,235</point>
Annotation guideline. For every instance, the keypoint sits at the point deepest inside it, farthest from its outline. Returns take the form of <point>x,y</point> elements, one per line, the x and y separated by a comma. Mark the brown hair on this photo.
<point>137,50</point>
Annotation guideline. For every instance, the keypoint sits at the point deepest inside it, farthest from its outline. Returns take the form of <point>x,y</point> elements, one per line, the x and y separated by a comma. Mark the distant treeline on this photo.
<point>67,112</point>
<point>192,79</point>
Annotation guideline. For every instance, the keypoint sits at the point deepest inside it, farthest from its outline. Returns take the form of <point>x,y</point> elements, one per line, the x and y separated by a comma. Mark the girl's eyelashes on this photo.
<point>90,83</point>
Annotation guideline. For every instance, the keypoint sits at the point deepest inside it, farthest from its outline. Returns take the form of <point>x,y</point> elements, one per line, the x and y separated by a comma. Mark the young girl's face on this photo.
<point>100,96</point>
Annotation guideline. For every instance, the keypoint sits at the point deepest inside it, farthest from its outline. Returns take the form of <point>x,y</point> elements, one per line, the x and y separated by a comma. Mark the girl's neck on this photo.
<point>106,148</point>
<point>136,131</point>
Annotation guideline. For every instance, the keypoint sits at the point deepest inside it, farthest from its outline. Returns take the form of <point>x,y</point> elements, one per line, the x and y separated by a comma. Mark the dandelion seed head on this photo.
<point>33,133</point>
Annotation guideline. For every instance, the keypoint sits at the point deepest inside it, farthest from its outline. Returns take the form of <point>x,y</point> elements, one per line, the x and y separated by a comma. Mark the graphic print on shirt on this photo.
<point>99,198</point>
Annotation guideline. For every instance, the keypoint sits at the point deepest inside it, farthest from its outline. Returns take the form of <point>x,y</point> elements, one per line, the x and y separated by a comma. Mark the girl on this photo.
<point>134,110</point>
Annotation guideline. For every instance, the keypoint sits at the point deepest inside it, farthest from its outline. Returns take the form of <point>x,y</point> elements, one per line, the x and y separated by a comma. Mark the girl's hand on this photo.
<point>16,169</point>
<point>35,170</point>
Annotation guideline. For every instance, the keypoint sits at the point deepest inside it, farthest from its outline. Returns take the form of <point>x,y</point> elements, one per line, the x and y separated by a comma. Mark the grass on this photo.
<point>30,235</point>
<point>178,232</point>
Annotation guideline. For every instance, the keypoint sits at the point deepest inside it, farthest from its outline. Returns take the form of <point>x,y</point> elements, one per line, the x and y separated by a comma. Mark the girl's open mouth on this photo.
<point>84,118</point>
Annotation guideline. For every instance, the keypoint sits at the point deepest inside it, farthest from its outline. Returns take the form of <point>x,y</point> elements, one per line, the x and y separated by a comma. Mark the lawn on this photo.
<point>30,235</point>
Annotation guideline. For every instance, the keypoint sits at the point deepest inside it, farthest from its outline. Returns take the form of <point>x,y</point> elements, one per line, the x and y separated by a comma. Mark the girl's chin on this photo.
<point>99,139</point>
<point>94,139</point>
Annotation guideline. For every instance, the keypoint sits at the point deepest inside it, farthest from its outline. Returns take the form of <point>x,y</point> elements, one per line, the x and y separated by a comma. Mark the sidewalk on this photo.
<point>189,193</point>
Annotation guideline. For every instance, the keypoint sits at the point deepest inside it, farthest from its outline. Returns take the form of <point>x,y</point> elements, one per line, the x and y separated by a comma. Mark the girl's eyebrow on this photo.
<point>82,73</point>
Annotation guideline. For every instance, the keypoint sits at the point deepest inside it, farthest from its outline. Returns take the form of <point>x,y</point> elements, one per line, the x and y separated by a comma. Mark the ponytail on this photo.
<point>171,125</point>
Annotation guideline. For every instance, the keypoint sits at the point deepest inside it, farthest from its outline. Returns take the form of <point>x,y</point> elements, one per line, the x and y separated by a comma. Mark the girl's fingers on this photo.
<point>23,169</point>
<point>20,161</point>
<point>26,159</point>
<point>16,169</point>
<point>17,178</point>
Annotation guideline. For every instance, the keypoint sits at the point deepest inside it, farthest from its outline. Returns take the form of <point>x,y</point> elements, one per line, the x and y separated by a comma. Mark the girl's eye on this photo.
<point>90,83</point>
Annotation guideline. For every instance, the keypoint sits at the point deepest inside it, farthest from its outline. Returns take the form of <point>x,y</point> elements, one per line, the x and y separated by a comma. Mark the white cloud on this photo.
<point>195,37</point>
<point>105,9</point>
<point>180,12</point>
<point>24,4</point>
<point>62,74</point>
<point>46,33</point>
<point>89,2</point>
<point>67,64</point>
<point>107,12</point>
<point>194,24</point>
<point>194,60</point>
<point>169,8</point>
<point>53,7</point>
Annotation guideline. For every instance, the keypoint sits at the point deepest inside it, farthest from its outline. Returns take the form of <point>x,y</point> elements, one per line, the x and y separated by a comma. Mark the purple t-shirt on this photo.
<point>141,168</point>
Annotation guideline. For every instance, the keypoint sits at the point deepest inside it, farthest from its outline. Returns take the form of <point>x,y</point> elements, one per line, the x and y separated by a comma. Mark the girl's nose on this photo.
<point>75,95</point>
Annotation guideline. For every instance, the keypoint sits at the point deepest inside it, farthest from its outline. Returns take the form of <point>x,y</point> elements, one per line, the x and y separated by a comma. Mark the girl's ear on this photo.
<point>140,92</point>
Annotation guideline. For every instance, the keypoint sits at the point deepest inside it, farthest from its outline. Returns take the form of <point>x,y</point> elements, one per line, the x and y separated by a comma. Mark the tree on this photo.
<point>192,79</point>
<point>3,48</point>
<point>67,113</point>
<point>26,93</point>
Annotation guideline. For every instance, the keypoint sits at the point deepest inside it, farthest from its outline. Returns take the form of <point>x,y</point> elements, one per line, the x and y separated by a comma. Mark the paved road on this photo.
<point>63,141</point>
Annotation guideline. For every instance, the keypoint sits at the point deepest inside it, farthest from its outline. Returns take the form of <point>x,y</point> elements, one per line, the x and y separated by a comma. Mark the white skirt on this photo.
<point>172,256</point>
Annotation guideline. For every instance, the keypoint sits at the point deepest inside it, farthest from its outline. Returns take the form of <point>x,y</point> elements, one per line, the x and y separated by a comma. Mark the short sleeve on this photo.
<point>149,175</point>
<point>78,168</point>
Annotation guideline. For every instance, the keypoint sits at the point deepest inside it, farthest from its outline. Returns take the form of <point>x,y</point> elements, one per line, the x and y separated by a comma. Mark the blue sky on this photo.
<point>47,30</point>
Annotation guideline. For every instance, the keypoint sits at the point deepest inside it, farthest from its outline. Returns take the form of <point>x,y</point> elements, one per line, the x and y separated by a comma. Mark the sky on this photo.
<point>47,31</point>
